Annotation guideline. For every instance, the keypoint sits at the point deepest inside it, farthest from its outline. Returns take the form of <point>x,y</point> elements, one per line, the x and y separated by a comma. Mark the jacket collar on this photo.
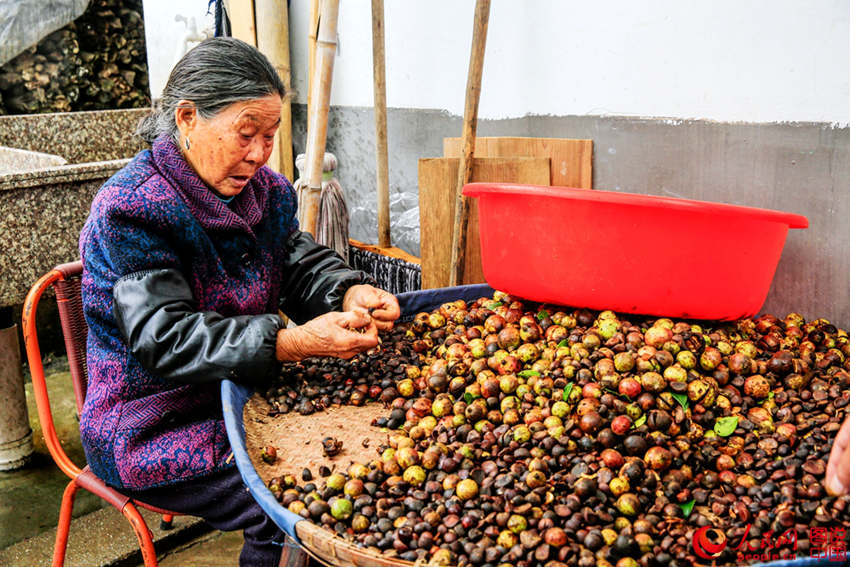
<point>245,211</point>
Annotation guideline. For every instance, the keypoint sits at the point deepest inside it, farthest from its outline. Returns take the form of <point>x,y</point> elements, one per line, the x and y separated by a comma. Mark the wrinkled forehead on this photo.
<point>259,112</point>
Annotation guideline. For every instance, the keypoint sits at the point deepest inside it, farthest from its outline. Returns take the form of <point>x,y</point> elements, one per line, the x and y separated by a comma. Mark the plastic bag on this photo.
<point>404,225</point>
<point>404,221</point>
<point>23,23</point>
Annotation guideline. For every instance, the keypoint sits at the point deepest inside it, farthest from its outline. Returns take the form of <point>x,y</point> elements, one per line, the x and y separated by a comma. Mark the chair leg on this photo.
<point>143,534</point>
<point>293,555</point>
<point>64,525</point>
<point>165,523</point>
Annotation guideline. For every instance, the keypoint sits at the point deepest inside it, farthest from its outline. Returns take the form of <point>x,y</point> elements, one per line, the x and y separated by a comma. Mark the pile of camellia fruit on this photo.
<point>526,435</point>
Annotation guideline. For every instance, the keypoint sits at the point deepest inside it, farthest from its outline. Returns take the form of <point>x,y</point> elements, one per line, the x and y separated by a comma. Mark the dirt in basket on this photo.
<point>298,438</point>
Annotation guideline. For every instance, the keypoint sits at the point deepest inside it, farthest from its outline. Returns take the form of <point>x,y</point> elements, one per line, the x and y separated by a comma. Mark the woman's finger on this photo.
<point>389,309</point>
<point>840,482</point>
<point>354,342</point>
<point>838,467</point>
<point>383,325</point>
<point>357,324</point>
<point>355,318</point>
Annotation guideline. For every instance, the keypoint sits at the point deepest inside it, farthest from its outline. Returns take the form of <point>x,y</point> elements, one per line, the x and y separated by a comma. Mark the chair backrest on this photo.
<point>74,328</point>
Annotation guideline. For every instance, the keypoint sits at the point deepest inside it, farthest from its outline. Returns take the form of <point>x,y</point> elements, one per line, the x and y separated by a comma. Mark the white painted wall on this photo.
<point>725,60</point>
<point>167,38</point>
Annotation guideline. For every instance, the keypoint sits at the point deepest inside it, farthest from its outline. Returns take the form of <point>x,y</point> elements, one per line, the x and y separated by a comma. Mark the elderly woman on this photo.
<point>189,253</point>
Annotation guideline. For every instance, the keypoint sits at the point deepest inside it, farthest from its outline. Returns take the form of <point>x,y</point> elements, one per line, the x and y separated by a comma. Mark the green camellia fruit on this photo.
<point>341,508</point>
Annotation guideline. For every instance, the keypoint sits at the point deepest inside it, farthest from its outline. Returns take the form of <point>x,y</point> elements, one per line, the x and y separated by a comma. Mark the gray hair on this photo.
<point>213,75</point>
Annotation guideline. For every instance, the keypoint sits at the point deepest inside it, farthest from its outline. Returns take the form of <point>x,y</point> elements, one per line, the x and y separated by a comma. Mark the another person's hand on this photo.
<point>333,334</point>
<point>380,304</point>
<point>837,478</point>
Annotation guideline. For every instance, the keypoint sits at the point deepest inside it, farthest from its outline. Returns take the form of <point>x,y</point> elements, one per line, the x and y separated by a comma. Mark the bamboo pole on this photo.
<point>317,130</point>
<point>272,24</point>
<point>470,124</point>
<point>242,21</point>
<point>380,88</point>
<point>312,35</point>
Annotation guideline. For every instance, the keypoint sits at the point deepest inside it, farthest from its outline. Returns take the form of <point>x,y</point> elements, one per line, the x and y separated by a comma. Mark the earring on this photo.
<point>186,142</point>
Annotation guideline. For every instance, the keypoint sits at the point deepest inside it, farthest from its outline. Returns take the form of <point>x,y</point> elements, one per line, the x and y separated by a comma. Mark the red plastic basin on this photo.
<point>630,253</point>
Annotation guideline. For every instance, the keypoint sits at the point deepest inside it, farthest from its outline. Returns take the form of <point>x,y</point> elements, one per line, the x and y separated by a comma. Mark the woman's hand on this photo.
<point>837,478</point>
<point>333,334</point>
<point>381,305</point>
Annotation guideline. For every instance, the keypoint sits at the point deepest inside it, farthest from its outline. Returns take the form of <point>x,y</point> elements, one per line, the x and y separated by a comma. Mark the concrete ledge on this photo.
<point>105,539</point>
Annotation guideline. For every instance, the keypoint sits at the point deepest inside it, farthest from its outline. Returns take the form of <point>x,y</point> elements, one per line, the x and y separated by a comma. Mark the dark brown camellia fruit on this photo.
<point>331,446</point>
<point>634,445</point>
<point>591,422</point>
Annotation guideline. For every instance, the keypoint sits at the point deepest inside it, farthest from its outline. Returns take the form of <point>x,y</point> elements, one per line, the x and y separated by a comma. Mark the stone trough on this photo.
<point>51,166</point>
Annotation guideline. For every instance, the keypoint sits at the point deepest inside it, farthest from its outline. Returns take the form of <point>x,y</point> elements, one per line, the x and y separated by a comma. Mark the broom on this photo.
<point>393,269</point>
<point>332,218</point>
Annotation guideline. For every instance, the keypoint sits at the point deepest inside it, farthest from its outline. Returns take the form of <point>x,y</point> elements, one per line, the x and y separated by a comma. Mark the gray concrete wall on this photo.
<point>797,167</point>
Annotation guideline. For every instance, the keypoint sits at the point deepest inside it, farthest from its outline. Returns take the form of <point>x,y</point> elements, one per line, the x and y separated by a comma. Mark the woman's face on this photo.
<point>228,149</point>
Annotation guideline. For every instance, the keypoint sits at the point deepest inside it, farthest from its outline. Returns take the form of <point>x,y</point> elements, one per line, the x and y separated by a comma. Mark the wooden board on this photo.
<point>571,160</point>
<point>437,179</point>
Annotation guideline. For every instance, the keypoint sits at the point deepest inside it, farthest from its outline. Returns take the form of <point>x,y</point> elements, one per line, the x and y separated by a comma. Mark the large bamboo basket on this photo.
<point>331,549</point>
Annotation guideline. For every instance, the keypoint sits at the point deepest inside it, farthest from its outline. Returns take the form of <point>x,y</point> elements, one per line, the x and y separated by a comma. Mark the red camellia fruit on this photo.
<point>591,390</point>
<point>612,459</point>
<point>621,424</point>
<point>630,388</point>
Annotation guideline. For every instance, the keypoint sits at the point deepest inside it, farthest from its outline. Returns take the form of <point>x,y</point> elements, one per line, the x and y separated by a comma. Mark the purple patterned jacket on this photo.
<point>143,426</point>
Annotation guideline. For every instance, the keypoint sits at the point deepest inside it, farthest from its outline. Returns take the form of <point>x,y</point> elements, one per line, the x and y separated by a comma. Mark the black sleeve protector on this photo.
<point>315,279</point>
<point>157,314</point>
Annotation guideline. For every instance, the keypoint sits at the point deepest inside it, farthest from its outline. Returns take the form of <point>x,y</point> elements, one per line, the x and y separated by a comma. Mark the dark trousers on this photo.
<point>224,502</point>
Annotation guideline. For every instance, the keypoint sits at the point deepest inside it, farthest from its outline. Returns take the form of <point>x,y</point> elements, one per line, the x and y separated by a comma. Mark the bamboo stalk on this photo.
<point>470,124</point>
<point>380,88</point>
<point>312,35</point>
<point>272,23</point>
<point>317,130</point>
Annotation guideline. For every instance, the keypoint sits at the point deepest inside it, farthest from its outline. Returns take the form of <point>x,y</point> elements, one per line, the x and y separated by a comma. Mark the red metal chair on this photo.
<point>65,280</point>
